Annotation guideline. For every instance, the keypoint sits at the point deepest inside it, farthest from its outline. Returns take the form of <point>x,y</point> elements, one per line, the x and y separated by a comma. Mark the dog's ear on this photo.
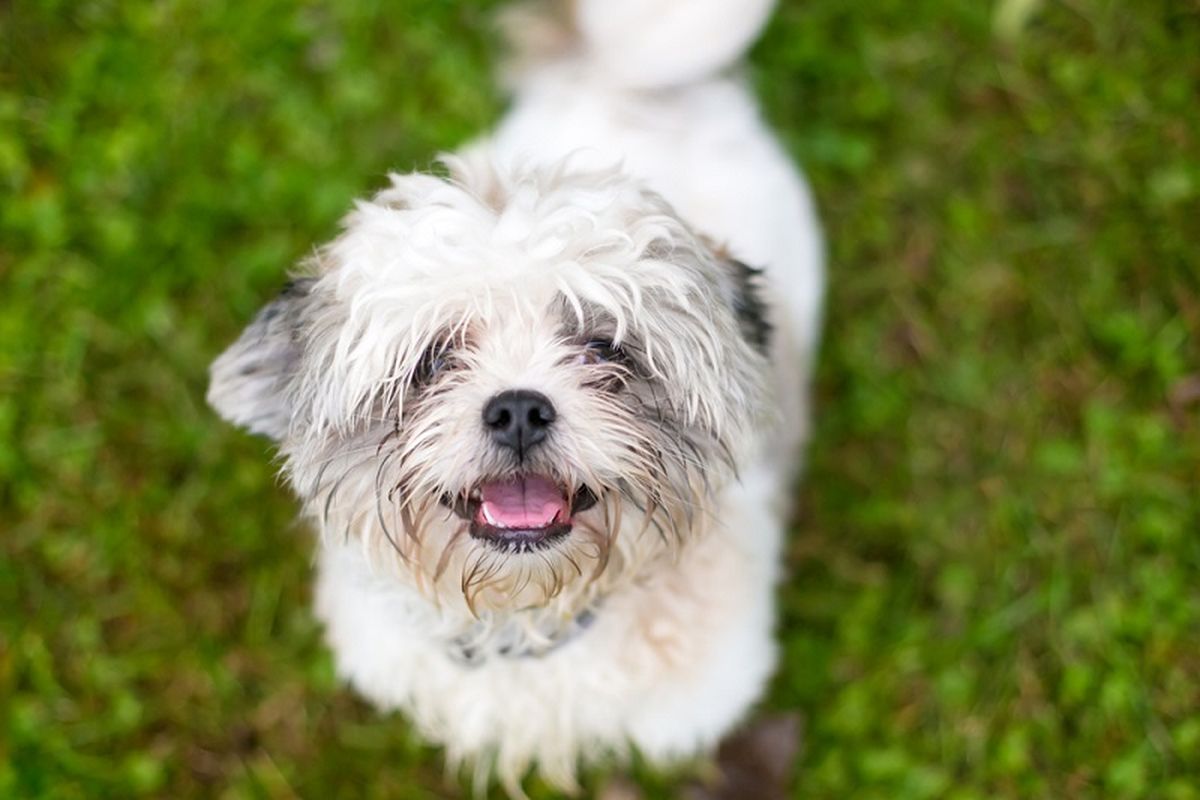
<point>748,304</point>
<point>248,382</point>
<point>742,286</point>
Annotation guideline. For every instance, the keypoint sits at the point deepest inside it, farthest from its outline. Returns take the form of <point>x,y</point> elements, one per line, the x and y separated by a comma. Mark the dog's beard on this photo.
<point>603,503</point>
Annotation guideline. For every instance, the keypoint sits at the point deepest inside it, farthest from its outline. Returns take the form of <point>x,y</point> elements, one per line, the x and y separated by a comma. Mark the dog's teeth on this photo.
<point>487,517</point>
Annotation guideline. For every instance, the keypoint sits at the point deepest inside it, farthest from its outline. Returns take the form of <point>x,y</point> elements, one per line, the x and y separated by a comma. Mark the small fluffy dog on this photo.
<point>546,409</point>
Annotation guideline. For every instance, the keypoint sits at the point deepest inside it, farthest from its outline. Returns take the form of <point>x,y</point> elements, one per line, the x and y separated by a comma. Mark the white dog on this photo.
<point>544,416</point>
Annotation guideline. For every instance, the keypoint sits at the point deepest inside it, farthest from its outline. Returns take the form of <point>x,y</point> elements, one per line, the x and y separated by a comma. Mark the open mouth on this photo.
<point>523,512</point>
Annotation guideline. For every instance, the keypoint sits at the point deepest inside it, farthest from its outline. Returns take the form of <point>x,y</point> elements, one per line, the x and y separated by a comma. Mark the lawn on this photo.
<point>995,577</point>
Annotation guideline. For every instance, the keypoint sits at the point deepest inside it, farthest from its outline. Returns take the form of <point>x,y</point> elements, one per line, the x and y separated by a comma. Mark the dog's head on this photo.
<point>524,387</point>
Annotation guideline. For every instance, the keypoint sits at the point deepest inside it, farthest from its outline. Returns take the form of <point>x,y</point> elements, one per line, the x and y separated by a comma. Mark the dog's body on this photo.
<point>649,621</point>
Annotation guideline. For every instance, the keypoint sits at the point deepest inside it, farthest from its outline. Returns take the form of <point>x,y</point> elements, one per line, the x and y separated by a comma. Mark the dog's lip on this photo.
<point>467,507</point>
<point>521,539</point>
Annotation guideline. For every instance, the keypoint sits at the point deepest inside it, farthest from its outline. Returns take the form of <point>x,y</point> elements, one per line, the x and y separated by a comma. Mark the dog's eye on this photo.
<point>435,360</point>
<point>600,351</point>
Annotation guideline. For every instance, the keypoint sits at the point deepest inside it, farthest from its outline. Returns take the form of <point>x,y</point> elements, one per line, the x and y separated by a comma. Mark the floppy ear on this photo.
<point>748,304</point>
<point>248,382</point>
<point>743,287</point>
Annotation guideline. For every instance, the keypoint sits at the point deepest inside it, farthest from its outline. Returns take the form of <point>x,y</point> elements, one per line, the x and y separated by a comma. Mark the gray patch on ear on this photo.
<point>248,382</point>
<point>749,306</point>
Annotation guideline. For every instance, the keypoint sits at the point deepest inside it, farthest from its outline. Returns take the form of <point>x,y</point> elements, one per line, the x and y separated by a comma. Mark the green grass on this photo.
<point>996,572</point>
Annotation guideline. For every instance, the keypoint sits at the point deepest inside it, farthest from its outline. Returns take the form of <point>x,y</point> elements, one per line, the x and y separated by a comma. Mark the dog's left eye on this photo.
<point>432,363</point>
<point>600,351</point>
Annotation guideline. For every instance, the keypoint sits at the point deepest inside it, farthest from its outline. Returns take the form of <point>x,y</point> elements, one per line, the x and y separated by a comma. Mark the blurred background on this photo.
<point>995,577</point>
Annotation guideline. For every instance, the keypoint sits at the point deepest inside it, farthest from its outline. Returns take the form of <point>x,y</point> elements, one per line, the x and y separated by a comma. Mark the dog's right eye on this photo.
<point>435,360</point>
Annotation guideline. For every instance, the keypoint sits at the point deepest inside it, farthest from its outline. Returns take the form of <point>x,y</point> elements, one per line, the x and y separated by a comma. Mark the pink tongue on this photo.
<point>528,502</point>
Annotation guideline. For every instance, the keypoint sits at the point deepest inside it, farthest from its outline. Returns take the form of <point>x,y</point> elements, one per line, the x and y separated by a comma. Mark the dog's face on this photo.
<point>521,390</point>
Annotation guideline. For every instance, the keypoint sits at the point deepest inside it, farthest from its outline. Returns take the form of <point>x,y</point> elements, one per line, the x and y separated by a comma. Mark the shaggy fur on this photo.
<point>572,253</point>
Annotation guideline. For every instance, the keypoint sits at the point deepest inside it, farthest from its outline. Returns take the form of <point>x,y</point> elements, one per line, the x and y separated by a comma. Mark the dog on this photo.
<point>546,404</point>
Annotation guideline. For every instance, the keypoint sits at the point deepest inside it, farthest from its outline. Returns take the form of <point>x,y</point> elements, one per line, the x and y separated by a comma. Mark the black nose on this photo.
<point>519,418</point>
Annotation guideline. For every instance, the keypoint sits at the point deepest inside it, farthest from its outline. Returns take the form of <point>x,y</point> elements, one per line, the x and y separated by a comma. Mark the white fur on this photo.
<point>646,44</point>
<point>593,206</point>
